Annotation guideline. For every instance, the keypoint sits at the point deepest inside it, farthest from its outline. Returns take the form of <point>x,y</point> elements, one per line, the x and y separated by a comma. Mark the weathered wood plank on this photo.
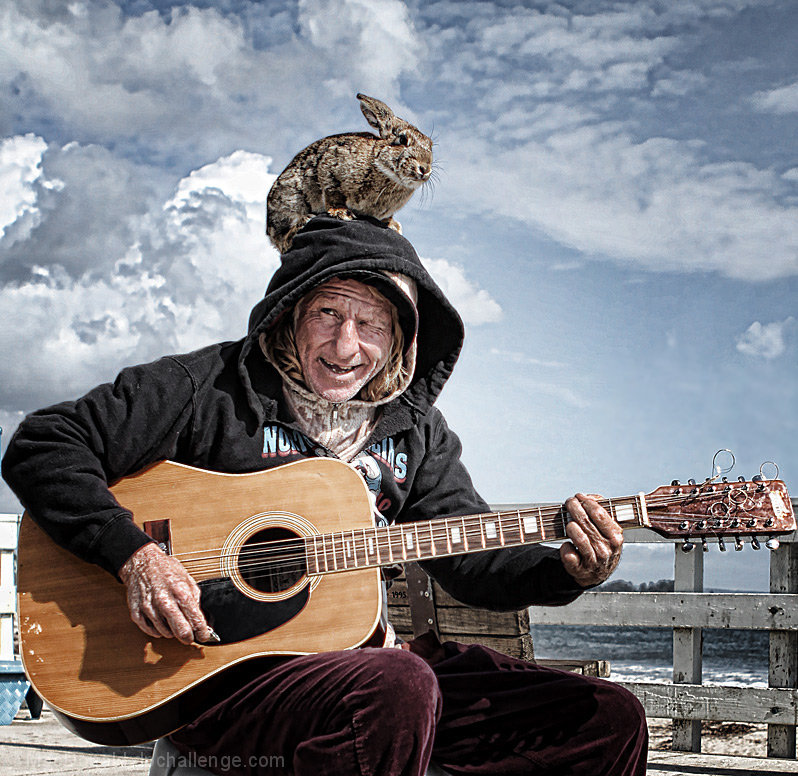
<point>661,763</point>
<point>398,593</point>
<point>600,668</point>
<point>516,646</point>
<point>688,646</point>
<point>465,621</point>
<point>783,649</point>
<point>727,703</point>
<point>757,611</point>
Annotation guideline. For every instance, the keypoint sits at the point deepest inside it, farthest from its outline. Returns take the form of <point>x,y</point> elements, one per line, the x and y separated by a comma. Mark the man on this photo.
<point>345,357</point>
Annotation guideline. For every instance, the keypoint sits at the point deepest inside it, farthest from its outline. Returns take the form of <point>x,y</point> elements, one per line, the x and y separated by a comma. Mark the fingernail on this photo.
<point>215,637</point>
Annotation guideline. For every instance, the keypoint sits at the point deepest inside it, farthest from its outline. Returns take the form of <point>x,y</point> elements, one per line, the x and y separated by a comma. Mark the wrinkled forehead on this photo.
<point>349,290</point>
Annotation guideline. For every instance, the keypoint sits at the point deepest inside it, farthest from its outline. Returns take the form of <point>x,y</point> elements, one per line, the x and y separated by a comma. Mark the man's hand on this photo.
<point>596,541</point>
<point>163,598</point>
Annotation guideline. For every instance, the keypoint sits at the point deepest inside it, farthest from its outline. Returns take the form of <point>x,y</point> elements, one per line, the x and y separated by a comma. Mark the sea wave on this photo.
<point>737,657</point>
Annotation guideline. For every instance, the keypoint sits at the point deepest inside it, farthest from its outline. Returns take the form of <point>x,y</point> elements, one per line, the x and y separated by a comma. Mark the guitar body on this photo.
<point>113,684</point>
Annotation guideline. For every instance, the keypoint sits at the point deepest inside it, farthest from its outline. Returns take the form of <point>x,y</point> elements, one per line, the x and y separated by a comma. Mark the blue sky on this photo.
<point>615,214</point>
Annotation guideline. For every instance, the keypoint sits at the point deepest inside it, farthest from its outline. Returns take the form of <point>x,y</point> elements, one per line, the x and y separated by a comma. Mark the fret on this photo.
<point>383,553</point>
<point>326,550</point>
<point>530,526</point>
<point>418,543</point>
<point>641,502</point>
<point>510,529</point>
<point>562,513</point>
<point>623,513</point>
<point>426,543</point>
<point>408,540</point>
<point>465,533</point>
<point>491,531</point>
<point>336,550</point>
<point>359,548</point>
<point>396,543</point>
<point>374,543</point>
<point>440,536</point>
<point>367,556</point>
<point>311,564</point>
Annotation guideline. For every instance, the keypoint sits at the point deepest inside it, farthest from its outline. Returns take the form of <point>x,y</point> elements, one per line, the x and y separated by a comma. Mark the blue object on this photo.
<point>13,687</point>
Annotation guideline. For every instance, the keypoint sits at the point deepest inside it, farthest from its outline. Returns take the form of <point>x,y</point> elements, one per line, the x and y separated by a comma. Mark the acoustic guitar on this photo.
<point>288,561</point>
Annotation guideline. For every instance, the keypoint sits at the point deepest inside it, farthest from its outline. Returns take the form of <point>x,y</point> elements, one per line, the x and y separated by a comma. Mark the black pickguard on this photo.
<point>236,617</point>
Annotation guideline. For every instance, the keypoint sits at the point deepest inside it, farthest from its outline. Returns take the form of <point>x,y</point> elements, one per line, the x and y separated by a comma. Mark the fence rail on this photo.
<point>688,610</point>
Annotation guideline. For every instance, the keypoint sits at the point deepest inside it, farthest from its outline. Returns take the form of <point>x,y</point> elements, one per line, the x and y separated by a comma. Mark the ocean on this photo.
<point>646,654</point>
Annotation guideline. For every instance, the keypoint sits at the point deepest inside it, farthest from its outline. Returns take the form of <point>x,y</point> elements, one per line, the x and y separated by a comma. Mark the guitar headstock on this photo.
<point>714,510</point>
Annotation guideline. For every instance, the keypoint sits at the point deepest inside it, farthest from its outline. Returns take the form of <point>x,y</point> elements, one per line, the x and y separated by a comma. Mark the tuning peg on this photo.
<point>757,478</point>
<point>755,543</point>
<point>721,545</point>
<point>738,544</point>
<point>704,545</point>
<point>675,483</point>
<point>691,481</point>
<point>772,543</point>
<point>688,546</point>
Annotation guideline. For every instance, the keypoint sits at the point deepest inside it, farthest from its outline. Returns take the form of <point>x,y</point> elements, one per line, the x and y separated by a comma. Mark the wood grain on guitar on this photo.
<point>288,562</point>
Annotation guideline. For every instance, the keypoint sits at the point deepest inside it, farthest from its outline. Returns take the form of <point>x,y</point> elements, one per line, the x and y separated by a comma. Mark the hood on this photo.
<point>328,247</point>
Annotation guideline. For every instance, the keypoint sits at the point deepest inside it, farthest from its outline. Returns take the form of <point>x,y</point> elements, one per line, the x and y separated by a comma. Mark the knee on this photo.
<point>403,680</point>
<point>625,711</point>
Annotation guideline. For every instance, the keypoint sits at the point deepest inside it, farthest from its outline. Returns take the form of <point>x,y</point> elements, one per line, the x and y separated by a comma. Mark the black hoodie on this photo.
<point>221,408</point>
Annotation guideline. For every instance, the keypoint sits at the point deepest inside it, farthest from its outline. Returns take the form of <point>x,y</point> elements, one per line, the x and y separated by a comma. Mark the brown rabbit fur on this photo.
<point>351,174</point>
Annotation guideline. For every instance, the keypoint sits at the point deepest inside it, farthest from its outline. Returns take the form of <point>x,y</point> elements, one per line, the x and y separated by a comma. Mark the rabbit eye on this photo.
<point>401,139</point>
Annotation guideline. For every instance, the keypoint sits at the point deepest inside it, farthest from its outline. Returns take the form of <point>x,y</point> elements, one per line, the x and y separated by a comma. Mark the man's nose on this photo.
<point>347,343</point>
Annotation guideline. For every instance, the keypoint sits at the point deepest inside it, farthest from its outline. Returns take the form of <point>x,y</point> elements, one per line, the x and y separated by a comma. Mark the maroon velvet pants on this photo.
<point>386,712</point>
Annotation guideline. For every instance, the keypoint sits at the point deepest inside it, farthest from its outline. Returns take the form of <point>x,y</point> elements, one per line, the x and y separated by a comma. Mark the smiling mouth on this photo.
<point>339,370</point>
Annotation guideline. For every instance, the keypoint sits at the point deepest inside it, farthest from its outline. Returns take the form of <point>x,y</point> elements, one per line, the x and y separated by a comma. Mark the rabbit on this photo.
<point>351,174</point>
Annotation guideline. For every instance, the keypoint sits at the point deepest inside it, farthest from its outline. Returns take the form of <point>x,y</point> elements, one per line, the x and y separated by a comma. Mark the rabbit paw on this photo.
<point>341,212</point>
<point>395,225</point>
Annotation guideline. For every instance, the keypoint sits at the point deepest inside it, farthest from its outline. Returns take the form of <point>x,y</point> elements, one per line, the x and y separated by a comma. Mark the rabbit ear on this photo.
<point>378,114</point>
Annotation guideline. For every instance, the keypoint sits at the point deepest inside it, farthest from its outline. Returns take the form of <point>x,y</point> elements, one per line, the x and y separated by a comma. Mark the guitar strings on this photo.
<point>299,544</point>
<point>290,556</point>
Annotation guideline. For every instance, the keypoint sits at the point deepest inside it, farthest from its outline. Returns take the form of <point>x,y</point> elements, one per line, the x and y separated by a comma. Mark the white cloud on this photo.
<point>782,100</point>
<point>555,136</point>
<point>177,275</point>
<point>196,83</point>
<point>373,42</point>
<point>78,208</point>
<point>20,158</point>
<point>653,203</point>
<point>475,305</point>
<point>765,341</point>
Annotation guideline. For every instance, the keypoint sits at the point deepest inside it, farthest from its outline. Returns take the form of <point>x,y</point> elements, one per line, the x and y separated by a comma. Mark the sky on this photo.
<point>614,213</point>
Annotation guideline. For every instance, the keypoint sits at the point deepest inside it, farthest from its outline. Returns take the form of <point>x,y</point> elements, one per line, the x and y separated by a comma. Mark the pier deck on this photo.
<point>44,748</point>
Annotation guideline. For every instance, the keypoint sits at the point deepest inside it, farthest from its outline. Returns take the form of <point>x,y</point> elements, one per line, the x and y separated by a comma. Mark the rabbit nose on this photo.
<point>423,170</point>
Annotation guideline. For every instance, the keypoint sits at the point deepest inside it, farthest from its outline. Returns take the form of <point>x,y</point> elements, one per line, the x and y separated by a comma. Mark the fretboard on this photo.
<point>386,545</point>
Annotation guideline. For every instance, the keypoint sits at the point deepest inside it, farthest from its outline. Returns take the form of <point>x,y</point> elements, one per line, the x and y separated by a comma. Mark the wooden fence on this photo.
<point>688,610</point>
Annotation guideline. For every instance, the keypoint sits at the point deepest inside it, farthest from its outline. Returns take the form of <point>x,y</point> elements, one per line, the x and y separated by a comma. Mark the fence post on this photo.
<point>783,659</point>
<point>688,577</point>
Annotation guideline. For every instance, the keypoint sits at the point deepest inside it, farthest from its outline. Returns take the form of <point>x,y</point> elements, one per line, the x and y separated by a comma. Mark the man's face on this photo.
<point>343,337</point>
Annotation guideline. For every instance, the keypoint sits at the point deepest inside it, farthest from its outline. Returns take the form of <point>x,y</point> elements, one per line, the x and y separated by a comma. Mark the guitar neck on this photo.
<point>363,548</point>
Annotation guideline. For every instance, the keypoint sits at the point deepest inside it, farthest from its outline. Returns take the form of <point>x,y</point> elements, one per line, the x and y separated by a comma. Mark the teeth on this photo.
<point>340,370</point>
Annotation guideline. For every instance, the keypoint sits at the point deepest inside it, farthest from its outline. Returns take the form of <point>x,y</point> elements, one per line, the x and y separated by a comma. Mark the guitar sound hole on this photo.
<point>272,560</point>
